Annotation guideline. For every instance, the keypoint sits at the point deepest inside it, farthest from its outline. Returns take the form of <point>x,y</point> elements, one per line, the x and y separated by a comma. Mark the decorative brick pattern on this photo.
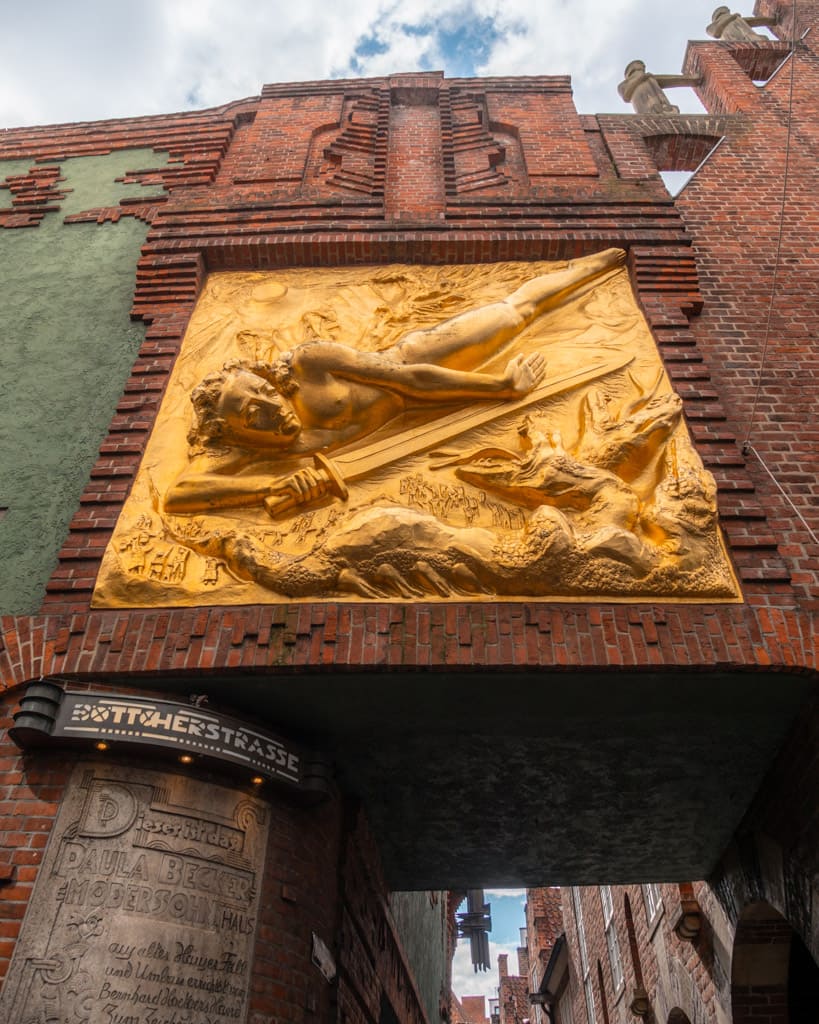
<point>396,635</point>
<point>355,159</point>
<point>475,160</point>
<point>195,142</point>
<point>33,195</point>
<point>680,142</point>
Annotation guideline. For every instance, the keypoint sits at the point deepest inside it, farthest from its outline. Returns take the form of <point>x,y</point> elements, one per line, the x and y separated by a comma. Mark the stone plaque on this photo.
<point>144,910</point>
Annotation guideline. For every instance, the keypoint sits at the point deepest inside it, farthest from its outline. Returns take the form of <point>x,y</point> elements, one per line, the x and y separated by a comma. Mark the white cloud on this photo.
<point>100,59</point>
<point>465,980</point>
<point>468,982</point>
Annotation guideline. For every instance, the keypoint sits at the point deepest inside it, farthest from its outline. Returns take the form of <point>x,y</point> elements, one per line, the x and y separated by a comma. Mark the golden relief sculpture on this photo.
<point>481,432</point>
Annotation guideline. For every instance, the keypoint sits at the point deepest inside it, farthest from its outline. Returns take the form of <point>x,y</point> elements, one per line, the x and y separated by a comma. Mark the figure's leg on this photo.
<point>548,291</point>
<point>469,339</point>
<point>464,341</point>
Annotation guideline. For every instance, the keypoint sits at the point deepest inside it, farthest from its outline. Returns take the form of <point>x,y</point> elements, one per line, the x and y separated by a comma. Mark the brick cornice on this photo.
<point>145,643</point>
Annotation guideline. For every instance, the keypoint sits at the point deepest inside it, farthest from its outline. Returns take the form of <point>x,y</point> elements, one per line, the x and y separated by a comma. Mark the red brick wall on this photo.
<point>30,799</point>
<point>730,969</point>
<point>474,1009</point>
<point>759,990</point>
<point>732,208</point>
<point>513,999</point>
<point>544,923</point>
<point>240,195</point>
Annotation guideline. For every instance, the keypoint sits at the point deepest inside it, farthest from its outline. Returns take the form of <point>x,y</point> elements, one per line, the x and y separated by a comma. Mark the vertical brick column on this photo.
<point>732,208</point>
<point>415,164</point>
<point>726,87</point>
<point>544,923</point>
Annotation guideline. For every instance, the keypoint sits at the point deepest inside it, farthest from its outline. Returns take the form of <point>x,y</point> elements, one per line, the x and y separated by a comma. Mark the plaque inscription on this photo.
<point>144,911</point>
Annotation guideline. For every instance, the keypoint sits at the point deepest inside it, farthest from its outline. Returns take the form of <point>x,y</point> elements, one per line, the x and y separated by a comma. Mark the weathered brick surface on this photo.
<point>761,314</point>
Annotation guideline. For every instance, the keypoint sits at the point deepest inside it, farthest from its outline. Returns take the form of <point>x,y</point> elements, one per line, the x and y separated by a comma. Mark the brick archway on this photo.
<point>678,1017</point>
<point>772,972</point>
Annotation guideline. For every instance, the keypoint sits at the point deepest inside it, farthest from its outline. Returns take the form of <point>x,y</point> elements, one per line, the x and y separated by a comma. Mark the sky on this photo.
<point>507,919</point>
<point>97,59</point>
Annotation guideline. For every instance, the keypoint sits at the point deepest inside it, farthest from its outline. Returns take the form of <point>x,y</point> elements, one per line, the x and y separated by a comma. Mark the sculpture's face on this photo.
<point>255,414</point>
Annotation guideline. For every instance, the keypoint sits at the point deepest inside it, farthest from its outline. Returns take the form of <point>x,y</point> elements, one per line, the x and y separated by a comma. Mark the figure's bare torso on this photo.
<point>336,410</point>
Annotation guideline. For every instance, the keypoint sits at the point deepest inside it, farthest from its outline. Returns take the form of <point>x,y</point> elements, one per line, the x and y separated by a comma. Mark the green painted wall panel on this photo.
<point>66,348</point>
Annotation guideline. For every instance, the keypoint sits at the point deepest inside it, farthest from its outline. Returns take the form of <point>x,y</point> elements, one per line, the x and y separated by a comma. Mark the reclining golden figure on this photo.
<point>322,396</point>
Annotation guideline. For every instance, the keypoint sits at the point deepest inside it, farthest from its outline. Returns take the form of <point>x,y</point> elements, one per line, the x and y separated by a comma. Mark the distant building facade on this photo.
<point>654,952</point>
<point>661,952</point>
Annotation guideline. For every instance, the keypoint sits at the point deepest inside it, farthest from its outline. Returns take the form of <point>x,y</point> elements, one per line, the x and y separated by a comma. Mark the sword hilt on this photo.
<point>300,490</point>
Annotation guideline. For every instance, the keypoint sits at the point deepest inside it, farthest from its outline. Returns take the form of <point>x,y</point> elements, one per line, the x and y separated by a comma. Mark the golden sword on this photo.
<point>334,474</point>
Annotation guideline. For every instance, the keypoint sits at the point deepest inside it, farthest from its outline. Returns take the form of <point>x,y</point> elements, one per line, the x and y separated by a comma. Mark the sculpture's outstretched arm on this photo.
<point>205,492</point>
<point>210,492</point>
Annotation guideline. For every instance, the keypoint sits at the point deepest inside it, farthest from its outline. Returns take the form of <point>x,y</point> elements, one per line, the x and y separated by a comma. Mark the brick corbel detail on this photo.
<point>686,920</point>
